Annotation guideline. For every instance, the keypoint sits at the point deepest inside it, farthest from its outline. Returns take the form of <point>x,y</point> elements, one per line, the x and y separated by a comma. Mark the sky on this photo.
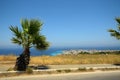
<point>67,23</point>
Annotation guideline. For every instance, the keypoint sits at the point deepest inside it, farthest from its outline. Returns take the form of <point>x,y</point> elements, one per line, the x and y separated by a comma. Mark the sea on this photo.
<point>51,51</point>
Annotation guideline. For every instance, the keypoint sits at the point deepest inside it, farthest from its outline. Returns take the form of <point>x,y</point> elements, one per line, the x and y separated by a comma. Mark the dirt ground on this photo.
<point>5,65</point>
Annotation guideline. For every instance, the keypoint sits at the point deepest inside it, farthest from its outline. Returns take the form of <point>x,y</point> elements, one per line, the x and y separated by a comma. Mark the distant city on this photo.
<point>87,51</point>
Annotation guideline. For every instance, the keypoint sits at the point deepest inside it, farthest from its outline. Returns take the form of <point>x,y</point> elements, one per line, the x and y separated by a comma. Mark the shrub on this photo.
<point>10,69</point>
<point>29,70</point>
<point>91,69</point>
<point>59,71</point>
<point>67,70</point>
<point>82,69</point>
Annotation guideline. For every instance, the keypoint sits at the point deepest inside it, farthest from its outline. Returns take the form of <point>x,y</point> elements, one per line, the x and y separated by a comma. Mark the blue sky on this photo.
<point>67,23</point>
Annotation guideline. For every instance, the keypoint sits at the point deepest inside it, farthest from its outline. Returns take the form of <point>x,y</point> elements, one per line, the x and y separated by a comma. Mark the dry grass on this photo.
<point>69,59</point>
<point>7,58</point>
<point>76,59</point>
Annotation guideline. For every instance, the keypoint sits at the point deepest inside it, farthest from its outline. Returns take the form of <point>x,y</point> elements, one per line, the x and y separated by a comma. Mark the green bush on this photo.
<point>10,69</point>
<point>29,70</point>
<point>82,69</point>
<point>67,70</point>
<point>91,69</point>
<point>59,71</point>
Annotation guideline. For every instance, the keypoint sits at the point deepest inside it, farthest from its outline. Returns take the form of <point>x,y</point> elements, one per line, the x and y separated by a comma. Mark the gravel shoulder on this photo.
<point>4,67</point>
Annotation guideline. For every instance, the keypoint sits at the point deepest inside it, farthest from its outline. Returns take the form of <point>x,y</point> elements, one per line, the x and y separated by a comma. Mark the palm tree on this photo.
<point>116,33</point>
<point>28,36</point>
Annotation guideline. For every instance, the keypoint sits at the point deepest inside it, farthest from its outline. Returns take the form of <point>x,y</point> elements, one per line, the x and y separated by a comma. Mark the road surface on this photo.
<point>6,67</point>
<point>108,75</point>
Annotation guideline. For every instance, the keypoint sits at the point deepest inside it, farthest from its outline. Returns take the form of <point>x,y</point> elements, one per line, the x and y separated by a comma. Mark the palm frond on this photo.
<point>111,30</point>
<point>118,20</point>
<point>16,31</point>
<point>112,34</point>
<point>35,27</point>
<point>115,34</point>
<point>25,24</point>
<point>118,37</point>
<point>40,43</point>
<point>16,41</point>
<point>42,46</point>
<point>119,27</point>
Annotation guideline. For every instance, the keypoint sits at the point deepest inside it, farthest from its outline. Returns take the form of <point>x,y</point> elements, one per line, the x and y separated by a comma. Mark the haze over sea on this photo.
<point>50,51</point>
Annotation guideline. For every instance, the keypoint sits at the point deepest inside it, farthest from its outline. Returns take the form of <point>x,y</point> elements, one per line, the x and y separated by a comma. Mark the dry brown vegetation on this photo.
<point>7,58</point>
<point>70,59</point>
<point>77,59</point>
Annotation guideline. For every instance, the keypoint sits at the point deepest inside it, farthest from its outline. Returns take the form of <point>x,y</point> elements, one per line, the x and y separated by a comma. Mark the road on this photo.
<point>99,75</point>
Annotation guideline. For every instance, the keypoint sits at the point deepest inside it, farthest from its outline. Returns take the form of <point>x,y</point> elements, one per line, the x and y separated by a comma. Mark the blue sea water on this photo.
<point>51,51</point>
<point>33,52</point>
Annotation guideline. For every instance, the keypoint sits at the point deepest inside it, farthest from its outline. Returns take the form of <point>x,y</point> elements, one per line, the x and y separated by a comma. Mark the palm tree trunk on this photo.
<point>23,60</point>
<point>26,53</point>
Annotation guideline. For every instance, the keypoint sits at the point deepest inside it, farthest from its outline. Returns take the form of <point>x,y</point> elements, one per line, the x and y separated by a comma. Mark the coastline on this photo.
<point>54,50</point>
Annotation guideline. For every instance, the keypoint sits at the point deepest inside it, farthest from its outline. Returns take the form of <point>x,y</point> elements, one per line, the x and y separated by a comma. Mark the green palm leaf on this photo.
<point>16,31</point>
<point>116,33</point>
<point>16,41</point>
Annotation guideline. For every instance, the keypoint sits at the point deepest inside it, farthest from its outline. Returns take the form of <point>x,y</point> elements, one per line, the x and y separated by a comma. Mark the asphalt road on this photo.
<point>108,75</point>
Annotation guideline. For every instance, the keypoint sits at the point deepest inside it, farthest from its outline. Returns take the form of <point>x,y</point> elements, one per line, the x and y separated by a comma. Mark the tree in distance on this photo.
<point>28,36</point>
